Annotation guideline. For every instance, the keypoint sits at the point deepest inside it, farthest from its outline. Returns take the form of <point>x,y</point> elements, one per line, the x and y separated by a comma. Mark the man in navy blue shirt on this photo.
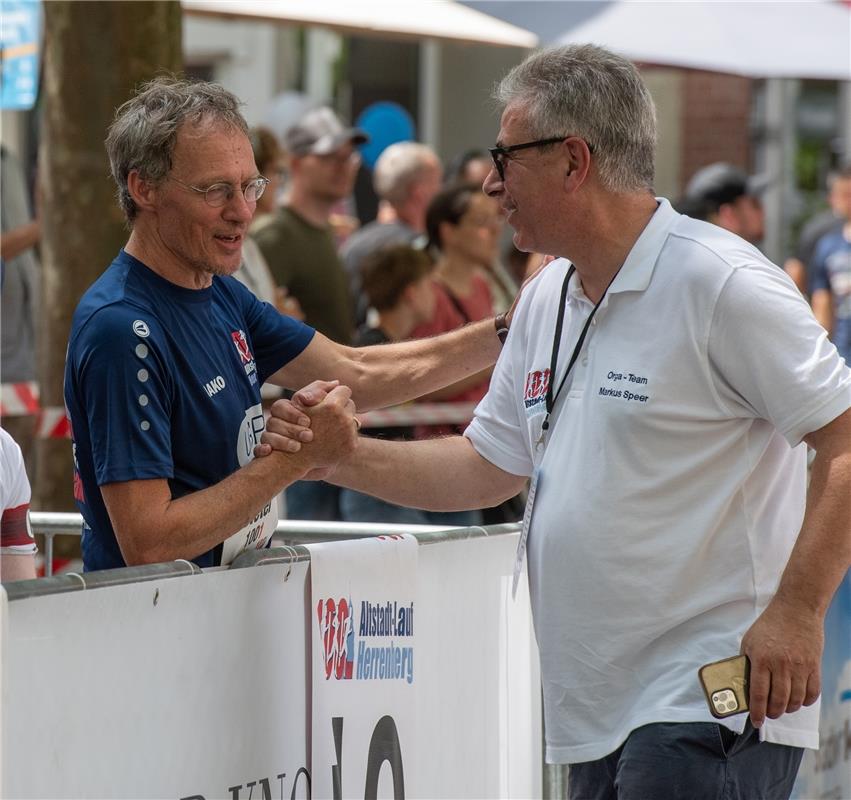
<point>831,270</point>
<point>168,352</point>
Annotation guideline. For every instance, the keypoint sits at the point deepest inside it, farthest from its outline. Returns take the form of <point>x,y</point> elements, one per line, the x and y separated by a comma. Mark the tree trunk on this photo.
<point>96,54</point>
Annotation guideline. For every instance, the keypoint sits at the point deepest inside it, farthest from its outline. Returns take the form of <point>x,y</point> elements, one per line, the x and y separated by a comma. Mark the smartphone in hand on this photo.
<point>725,684</point>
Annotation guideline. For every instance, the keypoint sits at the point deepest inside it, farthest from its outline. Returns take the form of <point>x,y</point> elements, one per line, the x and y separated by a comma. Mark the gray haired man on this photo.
<point>167,351</point>
<point>656,384</point>
<point>407,176</point>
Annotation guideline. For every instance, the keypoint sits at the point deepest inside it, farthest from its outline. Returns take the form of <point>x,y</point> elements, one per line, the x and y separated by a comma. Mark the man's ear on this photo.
<point>578,163</point>
<point>143,192</point>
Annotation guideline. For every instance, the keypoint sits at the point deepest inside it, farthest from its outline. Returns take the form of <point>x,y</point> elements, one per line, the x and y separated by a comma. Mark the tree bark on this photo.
<point>96,54</point>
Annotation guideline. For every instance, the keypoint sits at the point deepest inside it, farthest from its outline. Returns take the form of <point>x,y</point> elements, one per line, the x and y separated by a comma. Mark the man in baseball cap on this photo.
<point>320,132</point>
<point>725,196</point>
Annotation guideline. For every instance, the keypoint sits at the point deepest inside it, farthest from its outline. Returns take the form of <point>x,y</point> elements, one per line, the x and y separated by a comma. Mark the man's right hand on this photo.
<point>293,425</point>
<point>332,423</point>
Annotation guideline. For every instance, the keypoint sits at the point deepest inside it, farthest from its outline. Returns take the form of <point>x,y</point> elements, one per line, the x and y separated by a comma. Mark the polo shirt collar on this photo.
<point>637,270</point>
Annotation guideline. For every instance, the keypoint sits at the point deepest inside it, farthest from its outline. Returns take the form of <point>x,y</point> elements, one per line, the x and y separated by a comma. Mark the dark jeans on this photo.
<point>688,761</point>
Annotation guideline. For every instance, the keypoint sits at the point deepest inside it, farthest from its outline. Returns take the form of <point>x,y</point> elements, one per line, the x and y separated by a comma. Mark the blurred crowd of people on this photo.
<point>821,265</point>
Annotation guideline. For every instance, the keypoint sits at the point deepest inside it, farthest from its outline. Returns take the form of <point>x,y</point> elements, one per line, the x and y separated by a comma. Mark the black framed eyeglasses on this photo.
<point>220,193</point>
<point>499,153</point>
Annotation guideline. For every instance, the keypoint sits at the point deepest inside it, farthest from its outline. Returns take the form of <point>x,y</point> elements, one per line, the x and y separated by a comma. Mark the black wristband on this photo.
<point>501,324</point>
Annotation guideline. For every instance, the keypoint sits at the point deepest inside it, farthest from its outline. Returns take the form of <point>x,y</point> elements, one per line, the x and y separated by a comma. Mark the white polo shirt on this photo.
<point>672,488</point>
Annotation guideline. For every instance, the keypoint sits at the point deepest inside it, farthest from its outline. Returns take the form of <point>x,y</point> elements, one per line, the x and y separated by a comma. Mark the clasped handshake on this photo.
<point>315,430</point>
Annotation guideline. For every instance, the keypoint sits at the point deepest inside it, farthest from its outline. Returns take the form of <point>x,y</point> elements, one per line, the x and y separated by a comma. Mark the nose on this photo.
<point>492,186</point>
<point>238,209</point>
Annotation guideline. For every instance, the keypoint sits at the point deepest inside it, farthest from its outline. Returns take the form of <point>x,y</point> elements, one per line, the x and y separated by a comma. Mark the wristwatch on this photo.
<point>501,324</point>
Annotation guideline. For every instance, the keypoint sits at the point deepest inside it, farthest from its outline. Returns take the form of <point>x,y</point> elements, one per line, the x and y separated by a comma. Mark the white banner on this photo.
<point>200,687</point>
<point>188,687</point>
<point>364,665</point>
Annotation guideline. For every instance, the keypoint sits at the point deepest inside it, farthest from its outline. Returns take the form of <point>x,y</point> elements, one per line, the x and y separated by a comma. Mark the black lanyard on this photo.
<point>551,398</point>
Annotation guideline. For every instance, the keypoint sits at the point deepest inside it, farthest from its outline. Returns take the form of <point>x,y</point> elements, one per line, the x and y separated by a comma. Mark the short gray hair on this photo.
<point>399,167</point>
<point>587,91</point>
<point>143,134</point>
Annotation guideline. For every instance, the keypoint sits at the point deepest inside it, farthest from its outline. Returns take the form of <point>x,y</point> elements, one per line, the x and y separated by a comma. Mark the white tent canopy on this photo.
<point>756,38</point>
<point>432,19</point>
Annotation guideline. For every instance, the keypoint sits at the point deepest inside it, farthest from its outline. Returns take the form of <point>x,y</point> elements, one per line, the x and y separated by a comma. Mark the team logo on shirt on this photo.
<point>535,393</point>
<point>140,328</point>
<point>240,342</point>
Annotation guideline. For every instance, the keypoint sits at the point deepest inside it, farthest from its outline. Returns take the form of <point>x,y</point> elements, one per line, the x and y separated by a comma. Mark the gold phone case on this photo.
<point>725,684</point>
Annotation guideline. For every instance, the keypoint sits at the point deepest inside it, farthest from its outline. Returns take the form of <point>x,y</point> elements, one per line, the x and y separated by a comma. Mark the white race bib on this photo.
<point>254,535</point>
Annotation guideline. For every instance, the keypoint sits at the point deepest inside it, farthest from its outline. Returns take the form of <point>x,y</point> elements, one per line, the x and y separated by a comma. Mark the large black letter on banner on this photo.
<point>337,769</point>
<point>301,771</point>
<point>384,746</point>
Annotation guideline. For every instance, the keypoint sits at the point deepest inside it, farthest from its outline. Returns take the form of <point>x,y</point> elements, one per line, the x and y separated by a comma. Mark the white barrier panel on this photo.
<point>198,686</point>
<point>826,772</point>
<point>183,687</point>
<point>364,660</point>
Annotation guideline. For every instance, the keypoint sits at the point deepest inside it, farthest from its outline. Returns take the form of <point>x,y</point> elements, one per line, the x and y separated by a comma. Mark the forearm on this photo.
<point>395,373</point>
<point>436,474</point>
<point>452,391</point>
<point>152,527</point>
<point>822,554</point>
<point>210,516</point>
<point>18,240</point>
<point>17,567</point>
<point>823,309</point>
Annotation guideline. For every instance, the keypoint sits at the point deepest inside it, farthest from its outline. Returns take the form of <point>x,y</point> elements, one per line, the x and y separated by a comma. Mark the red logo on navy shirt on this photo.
<point>537,383</point>
<point>241,344</point>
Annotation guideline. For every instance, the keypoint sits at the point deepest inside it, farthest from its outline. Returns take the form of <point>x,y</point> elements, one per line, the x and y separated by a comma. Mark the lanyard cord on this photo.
<point>551,398</point>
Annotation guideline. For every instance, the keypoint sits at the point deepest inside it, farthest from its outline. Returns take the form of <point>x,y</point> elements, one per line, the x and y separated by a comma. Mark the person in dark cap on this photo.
<point>725,196</point>
<point>297,240</point>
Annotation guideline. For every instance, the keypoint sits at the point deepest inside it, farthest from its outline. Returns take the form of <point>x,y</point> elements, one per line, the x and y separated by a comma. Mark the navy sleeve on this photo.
<point>276,338</point>
<point>819,279</point>
<point>123,382</point>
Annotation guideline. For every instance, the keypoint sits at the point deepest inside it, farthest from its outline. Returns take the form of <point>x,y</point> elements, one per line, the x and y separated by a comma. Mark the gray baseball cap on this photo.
<point>721,183</point>
<point>320,132</point>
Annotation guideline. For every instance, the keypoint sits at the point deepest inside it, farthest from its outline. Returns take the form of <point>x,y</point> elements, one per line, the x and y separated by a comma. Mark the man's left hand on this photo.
<point>784,646</point>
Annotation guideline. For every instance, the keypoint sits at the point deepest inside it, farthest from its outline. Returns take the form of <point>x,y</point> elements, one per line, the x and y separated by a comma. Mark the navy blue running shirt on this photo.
<point>164,382</point>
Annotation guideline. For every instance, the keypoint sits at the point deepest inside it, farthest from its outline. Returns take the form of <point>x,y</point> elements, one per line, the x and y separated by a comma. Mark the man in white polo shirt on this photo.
<point>657,383</point>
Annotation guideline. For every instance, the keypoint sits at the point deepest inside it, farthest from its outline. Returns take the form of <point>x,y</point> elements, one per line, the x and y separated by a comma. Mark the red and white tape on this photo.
<point>53,424</point>
<point>19,399</point>
<point>419,414</point>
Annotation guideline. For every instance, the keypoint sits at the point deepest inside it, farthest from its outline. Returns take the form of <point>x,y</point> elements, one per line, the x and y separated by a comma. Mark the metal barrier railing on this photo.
<point>58,523</point>
<point>290,536</point>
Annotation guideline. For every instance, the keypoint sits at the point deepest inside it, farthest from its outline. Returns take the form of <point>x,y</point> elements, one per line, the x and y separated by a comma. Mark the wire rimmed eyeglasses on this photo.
<point>498,154</point>
<point>218,194</point>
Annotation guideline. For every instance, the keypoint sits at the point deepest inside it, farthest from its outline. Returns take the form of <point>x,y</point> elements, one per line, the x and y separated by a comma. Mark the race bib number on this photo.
<point>254,535</point>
